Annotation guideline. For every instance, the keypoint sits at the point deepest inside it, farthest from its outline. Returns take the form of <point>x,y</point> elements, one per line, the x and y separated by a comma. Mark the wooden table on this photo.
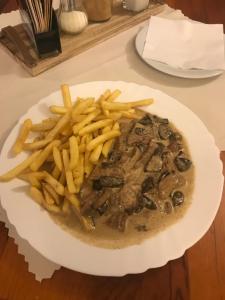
<point>199,274</point>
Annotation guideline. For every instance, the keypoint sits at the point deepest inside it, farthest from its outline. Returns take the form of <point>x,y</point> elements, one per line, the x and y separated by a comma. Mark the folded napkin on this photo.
<point>183,43</point>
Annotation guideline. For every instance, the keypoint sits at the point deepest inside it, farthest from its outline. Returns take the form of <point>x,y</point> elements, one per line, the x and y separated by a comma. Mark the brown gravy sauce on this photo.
<point>106,237</point>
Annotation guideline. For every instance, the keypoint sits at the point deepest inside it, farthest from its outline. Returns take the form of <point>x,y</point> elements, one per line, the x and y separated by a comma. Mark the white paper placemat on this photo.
<point>41,267</point>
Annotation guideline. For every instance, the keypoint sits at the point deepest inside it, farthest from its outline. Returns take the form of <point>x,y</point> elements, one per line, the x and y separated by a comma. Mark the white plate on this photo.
<point>34,224</point>
<point>192,73</point>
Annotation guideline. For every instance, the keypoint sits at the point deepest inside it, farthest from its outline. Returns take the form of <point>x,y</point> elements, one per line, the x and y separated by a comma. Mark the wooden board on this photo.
<point>75,44</point>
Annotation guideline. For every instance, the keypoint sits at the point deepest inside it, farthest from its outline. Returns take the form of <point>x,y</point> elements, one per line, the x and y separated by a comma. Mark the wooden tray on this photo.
<point>75,44</point>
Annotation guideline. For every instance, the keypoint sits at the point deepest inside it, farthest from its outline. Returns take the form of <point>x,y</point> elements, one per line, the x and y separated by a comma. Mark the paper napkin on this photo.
<point>182,43</point>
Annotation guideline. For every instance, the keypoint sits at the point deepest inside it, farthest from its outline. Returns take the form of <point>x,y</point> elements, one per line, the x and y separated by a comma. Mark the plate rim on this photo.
<point>120,272</point>
<point>176,72</point>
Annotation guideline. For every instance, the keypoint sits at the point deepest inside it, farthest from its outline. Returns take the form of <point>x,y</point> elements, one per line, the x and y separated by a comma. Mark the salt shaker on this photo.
<point>135,5</point>
<point>72,16</point>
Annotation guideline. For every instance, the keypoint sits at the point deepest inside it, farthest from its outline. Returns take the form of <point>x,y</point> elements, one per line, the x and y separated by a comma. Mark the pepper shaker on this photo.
<point>98,10</point>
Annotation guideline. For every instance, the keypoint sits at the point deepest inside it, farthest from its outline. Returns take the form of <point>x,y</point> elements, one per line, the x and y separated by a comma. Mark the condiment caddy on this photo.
<point>73,44</point>
<point>41,25</point>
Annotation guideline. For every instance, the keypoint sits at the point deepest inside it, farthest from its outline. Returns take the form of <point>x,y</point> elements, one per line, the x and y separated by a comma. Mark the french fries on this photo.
<point>45,125</point>
<point>104,96</point>
<point>60,110</point>
<point>52,193</point>
<point>88,166</point>
<point>36,145</point>
<point>67,131</point>
<point>114,95</point>
<point>130,115</point>
<point>31,178</point>
<point>34,181</point>
<point>70,183</point>
<point>96,153</point>
<point>48,198</point>
<point>37,195</point>
<point>57,158</point>
<point>108,145</point>
<point>86,222</point>
<point>78,172</point>
<point>115,106</point>
<point>73,200</point>
<point>62,178</point>
<point>104,110</point>
<point>79,118</point>
<point>57,186</point>
<point>89,110</point>
<point>66,160</point>
<point>102,139</point>
<point>143,102</point>
<point>125,106</point>
<point>114,116</point>
<point>85,121</point>
<point>95,126</point>
<point>35,175</point>
<point>56,172</point>
<point>52,208</point>
<point>59,126</point>
<point>20,168</point>
<point>74,152</point>
<point>66,147</point>
<point>66,96</point>
<point>106,129</point>
<point>68,173</point>
<point>24,132</point>
<point>81,107</point>
<point>82,148</point>
<point>38,162</point>
<point>66,207</point>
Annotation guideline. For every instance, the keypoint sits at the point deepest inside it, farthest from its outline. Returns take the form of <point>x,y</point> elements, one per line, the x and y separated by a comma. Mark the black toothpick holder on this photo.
<point>46,43</point>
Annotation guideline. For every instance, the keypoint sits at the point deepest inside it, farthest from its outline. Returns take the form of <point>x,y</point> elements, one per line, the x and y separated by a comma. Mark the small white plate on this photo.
<point>34,224</point>
<point>191,73</point>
